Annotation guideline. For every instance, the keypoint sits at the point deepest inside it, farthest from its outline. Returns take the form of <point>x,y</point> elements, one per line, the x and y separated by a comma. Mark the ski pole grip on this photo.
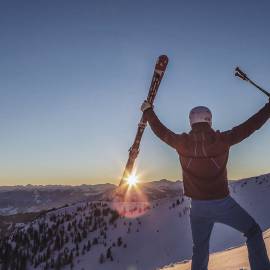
<point>240,76</point>
<point>239,73</point>
<point>238,70</point>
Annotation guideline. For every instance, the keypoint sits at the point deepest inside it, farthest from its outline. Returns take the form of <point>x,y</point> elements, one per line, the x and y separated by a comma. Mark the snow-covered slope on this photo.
<point>230,259</point>
<point>145,236</point>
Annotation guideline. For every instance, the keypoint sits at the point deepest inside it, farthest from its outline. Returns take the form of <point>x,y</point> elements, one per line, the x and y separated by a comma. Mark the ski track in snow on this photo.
<point>231,259</point>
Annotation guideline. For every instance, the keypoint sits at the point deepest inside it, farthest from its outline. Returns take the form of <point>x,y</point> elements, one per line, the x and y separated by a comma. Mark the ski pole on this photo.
<point>239,73</point>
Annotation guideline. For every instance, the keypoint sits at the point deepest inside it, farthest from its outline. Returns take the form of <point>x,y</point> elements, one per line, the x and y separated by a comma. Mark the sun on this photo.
<point>132,180</point>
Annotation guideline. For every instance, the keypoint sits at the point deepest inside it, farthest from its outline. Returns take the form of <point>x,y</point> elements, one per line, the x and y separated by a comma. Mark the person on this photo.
<point>203,155</point>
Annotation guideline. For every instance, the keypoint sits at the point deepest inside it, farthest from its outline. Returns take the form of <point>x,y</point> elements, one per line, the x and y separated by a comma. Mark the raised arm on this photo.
<point>160,130</point>
<point>241,132</point>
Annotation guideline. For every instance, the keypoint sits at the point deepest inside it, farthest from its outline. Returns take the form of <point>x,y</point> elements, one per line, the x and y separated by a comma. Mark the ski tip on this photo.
<point>163,58</point>
<point>162,63</point>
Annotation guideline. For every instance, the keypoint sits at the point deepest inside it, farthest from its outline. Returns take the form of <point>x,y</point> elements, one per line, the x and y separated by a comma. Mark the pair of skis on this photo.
<point>159,70</point>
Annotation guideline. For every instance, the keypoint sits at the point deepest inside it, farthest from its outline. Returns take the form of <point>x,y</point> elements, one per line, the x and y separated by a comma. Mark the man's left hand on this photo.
<point>145,106</point>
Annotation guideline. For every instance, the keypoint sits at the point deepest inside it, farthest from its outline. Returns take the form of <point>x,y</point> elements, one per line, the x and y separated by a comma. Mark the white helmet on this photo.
<point>200,114</point>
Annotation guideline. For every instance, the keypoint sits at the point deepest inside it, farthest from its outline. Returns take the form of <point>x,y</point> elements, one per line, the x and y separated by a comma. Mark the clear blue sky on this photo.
<point>73,75</point>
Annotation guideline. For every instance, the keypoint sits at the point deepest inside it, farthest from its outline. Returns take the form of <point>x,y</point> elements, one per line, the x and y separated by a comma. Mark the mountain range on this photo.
<point>98,232</point>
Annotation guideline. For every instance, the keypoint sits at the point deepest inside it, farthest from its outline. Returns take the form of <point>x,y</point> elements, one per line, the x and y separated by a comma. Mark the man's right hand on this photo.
<point>268,103</point>
<point>145,106</point>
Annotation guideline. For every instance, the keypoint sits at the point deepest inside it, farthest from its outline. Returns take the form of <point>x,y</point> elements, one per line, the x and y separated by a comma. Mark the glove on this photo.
<point>146,105</point>
<point>268,106</point>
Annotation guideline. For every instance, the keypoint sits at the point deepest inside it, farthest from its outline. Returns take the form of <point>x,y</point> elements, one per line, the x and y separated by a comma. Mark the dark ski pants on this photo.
<point>203,215</point>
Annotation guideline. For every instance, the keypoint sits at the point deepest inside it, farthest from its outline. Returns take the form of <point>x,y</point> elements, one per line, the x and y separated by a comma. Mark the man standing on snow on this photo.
<point>203,154</point>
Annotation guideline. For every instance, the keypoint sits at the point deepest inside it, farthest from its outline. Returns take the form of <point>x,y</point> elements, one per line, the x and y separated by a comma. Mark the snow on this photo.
<point>10,210</point>
<point>231,259</point>
<point>161,235</point>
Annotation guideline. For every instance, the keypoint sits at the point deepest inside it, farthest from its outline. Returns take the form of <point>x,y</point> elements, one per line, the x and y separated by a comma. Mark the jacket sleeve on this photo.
<point>160,130</point>
<point>241,132</point>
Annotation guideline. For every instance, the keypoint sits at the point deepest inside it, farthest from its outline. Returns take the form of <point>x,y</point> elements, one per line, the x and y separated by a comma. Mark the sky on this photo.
<point>73,75</point>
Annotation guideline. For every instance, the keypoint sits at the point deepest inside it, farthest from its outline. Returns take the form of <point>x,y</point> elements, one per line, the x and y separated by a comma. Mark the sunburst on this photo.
<point>132,180</point>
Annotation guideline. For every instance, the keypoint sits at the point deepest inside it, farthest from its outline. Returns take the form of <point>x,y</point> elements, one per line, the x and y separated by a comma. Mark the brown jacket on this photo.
<point>203,152</point>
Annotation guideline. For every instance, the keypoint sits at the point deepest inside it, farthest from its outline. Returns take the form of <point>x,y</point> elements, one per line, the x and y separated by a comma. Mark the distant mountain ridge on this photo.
<point>53,187</point>
<point>35,198</point>
<point>32,198</point>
